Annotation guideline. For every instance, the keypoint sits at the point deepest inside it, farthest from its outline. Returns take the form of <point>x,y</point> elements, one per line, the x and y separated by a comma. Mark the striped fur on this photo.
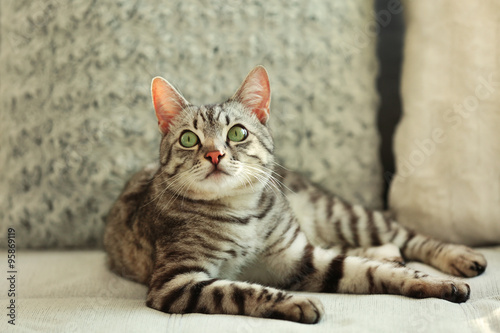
<point>193,229</point>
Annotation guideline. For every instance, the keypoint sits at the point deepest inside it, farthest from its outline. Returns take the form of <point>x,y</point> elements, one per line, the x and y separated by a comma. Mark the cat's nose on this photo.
<point>214,156</point>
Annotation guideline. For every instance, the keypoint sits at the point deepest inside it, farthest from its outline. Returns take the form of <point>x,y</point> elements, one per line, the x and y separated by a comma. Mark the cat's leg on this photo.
<point>327,220</point>
<point>178,286</point>
<point>293,263</point>
<point>366,228</point>
<point>388,252</point>
<point>453,259</point>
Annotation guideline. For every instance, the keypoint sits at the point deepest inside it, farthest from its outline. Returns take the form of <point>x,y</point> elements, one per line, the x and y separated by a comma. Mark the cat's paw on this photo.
<point>307,310</point>
<point>450,290</point>
<point>462,261</point>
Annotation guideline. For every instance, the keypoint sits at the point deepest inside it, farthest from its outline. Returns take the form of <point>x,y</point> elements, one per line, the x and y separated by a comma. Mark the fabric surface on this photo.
<point>74,292</point>
<point>447,146</point>
<point>77,118</point>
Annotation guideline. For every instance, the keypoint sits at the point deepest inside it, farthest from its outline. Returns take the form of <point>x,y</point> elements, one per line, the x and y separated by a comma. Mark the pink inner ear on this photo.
<point>167,101</point>
<point>255,93</point>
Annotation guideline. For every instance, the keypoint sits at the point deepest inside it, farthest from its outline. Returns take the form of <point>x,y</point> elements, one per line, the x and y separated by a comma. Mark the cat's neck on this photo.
<point>243,201</point>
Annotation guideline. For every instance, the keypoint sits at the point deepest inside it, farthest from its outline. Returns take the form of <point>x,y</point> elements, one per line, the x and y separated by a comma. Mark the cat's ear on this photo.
<point>255,93</point>
<point>167,101</point>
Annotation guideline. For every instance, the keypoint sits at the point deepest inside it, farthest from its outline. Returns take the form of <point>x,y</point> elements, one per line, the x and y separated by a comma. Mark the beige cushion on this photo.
<point>447,145</point>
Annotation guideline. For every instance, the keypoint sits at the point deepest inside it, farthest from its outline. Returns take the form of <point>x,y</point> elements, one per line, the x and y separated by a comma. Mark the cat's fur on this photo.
<point>219,228</point>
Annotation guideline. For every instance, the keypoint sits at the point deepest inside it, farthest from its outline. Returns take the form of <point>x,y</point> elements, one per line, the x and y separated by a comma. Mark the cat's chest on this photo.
<point>243,251</point>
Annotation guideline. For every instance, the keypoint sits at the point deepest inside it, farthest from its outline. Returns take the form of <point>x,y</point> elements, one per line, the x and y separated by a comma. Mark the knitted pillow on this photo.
<point>77,115</point>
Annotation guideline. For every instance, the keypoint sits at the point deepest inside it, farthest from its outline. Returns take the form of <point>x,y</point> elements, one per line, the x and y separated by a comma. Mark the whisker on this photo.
<point>266,179</point>
<point>173,180</point>
<point>182,182</point>
<point>281,166</point>
<point>175,195</point>
<point>272,179</point>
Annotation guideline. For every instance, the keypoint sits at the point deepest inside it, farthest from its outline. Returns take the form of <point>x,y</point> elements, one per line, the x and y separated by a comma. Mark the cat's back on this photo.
<point>129,249</point>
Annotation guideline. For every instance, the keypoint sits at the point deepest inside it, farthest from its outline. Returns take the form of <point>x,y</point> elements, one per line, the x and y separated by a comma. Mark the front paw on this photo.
<point>307,310</point>
<point>463,261</point>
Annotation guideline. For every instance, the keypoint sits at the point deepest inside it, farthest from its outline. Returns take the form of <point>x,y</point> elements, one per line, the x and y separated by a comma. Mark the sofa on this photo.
<point>77,122</point>
<point>73,291</point>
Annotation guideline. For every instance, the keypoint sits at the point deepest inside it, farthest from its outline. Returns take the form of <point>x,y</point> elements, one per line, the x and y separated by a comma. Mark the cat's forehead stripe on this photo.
<point>203,117</point>
<point>211,114</point>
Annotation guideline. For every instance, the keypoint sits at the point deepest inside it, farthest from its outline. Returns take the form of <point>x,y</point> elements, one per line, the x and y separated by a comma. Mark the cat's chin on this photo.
<point>214,186</point>
<point>217,175</point>
<point>220,185</point>
<point>209,195</point>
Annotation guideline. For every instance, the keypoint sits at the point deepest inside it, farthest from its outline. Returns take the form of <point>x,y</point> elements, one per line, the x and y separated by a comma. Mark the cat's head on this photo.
<point>213,151</point>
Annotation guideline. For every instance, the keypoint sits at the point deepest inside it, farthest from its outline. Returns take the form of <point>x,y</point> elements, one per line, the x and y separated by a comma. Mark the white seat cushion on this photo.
<point>73,291</point>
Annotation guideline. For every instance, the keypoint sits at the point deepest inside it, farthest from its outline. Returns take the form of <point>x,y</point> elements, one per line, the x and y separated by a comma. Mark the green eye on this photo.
<point>237,133</point>
<point>188,139</point>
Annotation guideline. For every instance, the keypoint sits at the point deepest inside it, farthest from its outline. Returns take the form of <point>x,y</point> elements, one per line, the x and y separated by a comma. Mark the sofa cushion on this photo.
<point>75,292</point>
<point>78,119</point>
<point>447,145</point>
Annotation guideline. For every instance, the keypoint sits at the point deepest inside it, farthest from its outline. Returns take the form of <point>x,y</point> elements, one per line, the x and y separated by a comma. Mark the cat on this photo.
<point>218,227</point>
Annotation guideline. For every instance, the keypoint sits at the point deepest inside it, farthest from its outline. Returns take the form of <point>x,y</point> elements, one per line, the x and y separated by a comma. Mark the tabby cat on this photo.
<point>219,227</point>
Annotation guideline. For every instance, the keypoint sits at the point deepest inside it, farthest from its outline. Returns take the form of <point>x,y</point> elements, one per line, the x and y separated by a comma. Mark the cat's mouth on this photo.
<point>216,173</point>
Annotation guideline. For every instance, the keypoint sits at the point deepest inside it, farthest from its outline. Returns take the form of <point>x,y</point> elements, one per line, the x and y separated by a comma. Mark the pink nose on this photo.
<point>214,156</point>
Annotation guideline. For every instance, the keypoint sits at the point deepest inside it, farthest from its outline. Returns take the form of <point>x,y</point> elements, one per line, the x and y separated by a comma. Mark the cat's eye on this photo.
<point>188,139</point>
<point>237,133</point>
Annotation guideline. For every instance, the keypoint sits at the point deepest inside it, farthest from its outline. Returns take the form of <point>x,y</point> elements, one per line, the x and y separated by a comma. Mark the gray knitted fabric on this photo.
<point>77,118</point>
